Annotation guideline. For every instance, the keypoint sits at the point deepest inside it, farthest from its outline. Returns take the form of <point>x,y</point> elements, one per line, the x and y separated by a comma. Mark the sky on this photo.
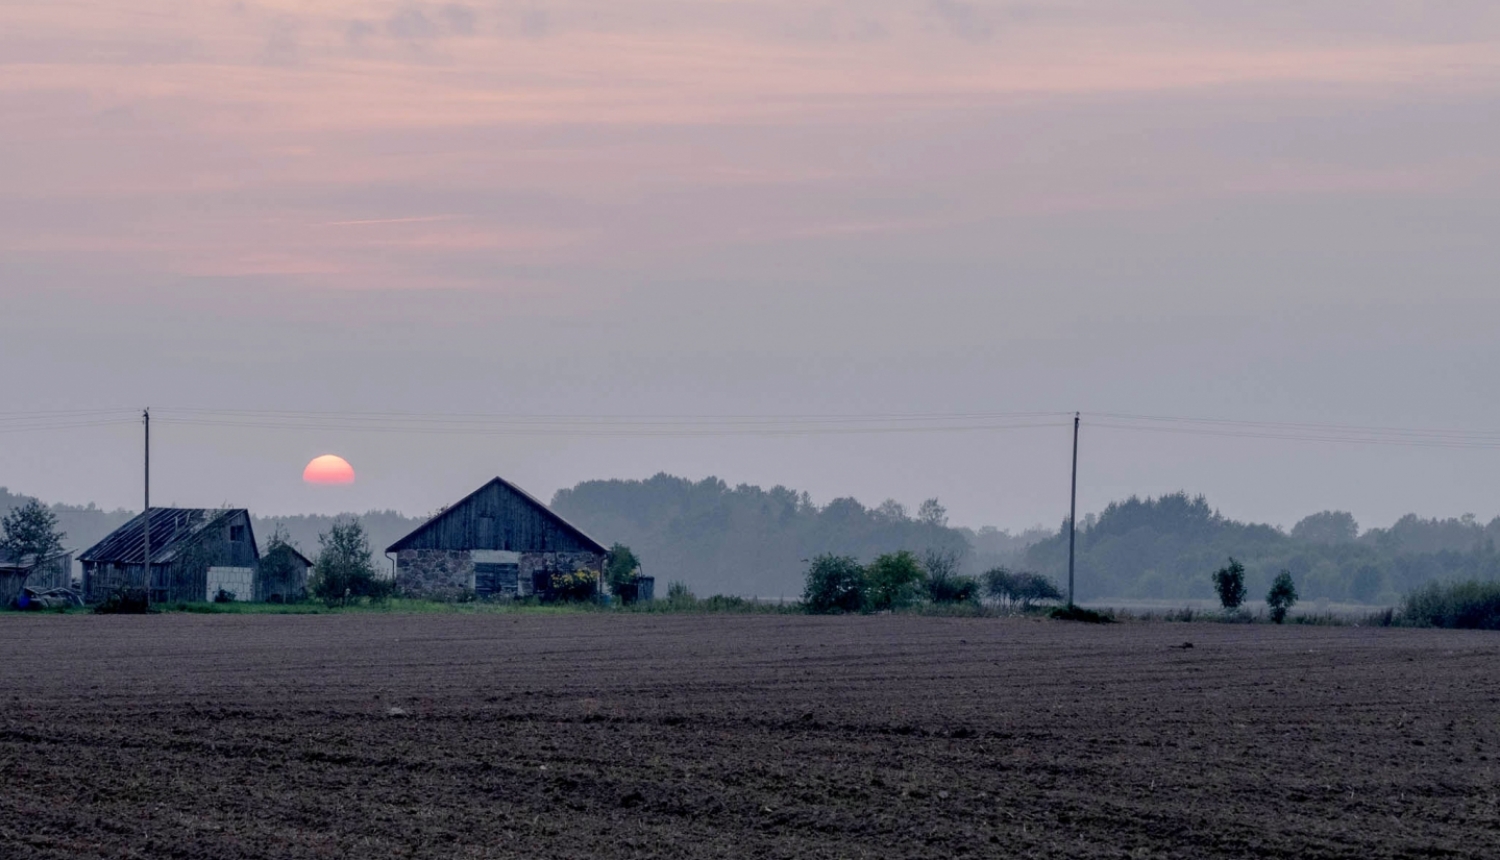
<point>671,211</point>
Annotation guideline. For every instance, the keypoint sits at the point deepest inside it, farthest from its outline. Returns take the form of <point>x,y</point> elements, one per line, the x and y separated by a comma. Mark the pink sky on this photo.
<point>757,191</point>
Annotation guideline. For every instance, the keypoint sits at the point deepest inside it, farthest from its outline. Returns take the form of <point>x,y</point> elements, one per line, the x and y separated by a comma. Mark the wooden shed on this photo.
<point>281,576</point>
<point>498,541</point>
<point>195,553</point>
<point>54,571</point>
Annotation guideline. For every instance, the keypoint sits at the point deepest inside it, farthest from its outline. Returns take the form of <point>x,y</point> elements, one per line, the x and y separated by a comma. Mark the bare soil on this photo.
<point>599,736</point>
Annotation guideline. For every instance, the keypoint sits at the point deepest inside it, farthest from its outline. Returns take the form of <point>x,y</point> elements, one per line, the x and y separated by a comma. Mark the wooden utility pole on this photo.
<point>1073,511</point>
<point>146,509</point>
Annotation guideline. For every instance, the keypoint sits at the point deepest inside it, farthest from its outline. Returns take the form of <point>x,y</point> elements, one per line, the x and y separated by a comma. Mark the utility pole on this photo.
<point>146,510</point>
<point>1073,511</point>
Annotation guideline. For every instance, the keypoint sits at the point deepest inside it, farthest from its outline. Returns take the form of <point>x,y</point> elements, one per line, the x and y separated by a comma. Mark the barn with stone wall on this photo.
<point>496,542</point>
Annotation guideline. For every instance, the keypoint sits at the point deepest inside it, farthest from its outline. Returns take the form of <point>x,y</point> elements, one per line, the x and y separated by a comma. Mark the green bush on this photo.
<point>1229,582</point>
<point>124,601</point>
<point>952,588</point>
<point>1459,605</point>
<point>894,580</point>
<point>1078,613</point>
<point>1282,596</point>
<point>1023,588</point>
<point>835,583</point>
<point>576,587</point>
<point>622,572</point>
<point>679,595</point>
<point>344,570</point>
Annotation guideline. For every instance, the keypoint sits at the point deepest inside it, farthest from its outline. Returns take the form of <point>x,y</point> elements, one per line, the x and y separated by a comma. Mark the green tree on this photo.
<point>894,579</point>
<point>1229,582</point>
<point>944,583</point>
<point>621,569</point>
<point>1282,596</point>
<point>1033,587</point>
<point>30,530</point>
<point>835,583</point>
<point>1328,527</point>
<point>344,568</point>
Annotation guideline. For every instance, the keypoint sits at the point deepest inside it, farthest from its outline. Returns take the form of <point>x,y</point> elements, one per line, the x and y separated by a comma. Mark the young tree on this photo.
<point>344,568</point>
<point>1031,587</point>
<point>932,513</point>
<point>1282,596</point>
<point>621,569</point>
<point>944,583</point>
<point>1229,581</point>
<point>893,580</point>
<point>30,530</point>
<point>1000,584</point>
<point>835,583</point>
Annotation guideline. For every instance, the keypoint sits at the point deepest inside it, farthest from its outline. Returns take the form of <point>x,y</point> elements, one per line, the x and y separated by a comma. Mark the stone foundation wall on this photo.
<point>438,574</point>
<point>449,574</point>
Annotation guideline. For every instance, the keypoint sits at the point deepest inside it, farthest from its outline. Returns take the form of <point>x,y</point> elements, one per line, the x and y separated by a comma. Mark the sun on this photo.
<point>328,469</point>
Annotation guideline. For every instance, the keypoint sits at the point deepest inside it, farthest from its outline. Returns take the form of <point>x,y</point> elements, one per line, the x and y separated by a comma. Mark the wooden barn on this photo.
<point>281,576</point>
<point>498,541</point>
<point>195,553</point>
<point>55,571</point>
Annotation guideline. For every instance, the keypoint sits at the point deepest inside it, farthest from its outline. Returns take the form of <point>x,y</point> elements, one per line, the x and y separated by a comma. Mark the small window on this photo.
<point>237,533</point>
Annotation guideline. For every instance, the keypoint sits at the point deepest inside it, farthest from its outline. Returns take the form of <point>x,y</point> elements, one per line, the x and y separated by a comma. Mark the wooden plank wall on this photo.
<point>497,518</point>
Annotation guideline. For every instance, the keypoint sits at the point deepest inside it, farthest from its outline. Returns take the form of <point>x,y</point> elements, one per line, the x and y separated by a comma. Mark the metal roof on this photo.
<point>171,528</point>
<point>8,562</point>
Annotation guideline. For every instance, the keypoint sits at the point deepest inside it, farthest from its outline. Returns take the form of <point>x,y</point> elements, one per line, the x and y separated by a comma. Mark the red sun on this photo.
<point>328,469</point>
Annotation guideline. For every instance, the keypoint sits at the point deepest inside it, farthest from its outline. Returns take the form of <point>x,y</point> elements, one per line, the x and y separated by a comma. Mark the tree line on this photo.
<point>1158,548</point>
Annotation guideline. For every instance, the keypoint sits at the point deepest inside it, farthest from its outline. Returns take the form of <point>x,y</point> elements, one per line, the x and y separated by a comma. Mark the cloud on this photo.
<point>411,23</point>
<point>282,48</point>
<point>965,20</point>
<point>358,31</point>
<point>460,19</point>
<point>535,23</point>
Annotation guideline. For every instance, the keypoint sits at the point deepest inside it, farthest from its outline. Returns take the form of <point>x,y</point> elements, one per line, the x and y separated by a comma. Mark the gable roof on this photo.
<point>171,529</point>
<point>529,499</point>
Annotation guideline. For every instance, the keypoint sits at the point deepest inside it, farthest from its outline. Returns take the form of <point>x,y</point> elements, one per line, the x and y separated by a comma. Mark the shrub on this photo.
<point>1033,587</point>
<point>1282,596</point>
<point>952,588</point>
<point>622,570</point>
<point>1229,582</point>
<point>224,596</point>
<point>1463,605</point>
<point>124,601</point>
<point>835,583</point>
<point>576,587</point>
<point>679,596</point>
<point>1078,613</point>
<point>944,583</point>
<point>893,580</point>
<point>344,569</point>
<point>1022,588</point>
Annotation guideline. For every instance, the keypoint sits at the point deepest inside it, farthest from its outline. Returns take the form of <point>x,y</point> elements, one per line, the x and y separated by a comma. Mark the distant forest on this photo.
<point>1166,548</point>
<point>745,540</point>
<point>751,541</point>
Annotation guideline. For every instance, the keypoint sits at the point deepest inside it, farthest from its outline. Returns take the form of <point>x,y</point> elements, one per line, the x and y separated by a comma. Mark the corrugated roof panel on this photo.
<point>170,527</point>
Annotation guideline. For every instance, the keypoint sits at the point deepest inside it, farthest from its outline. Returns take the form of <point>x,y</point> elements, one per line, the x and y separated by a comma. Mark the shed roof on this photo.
<point>171,529</point>
<point>9,563</point>
<point>529,499</point>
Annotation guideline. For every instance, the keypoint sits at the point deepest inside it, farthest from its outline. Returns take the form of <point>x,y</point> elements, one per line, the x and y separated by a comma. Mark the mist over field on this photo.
<point>755,542</point>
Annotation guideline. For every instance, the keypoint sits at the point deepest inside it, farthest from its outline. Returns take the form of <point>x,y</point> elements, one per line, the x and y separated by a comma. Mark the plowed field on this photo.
<point>593,736</point>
